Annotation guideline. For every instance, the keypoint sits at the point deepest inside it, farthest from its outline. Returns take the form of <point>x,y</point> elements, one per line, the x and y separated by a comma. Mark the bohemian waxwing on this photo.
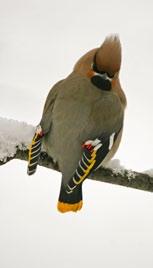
<point>82,121</point>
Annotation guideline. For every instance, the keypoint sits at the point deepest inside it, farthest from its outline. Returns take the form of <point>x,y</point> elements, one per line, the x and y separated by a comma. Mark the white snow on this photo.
<point>39,43</point>
<point>13,135</point>
<point>115,164</point>
<point>117,168</point>
<point>149,172</point>
<point>130,174</point>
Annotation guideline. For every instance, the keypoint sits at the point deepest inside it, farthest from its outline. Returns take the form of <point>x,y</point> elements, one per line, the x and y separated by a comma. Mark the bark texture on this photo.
<point>126,178</point>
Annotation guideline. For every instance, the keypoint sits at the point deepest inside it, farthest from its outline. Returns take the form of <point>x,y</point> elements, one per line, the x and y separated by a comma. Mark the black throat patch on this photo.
<point>101,82</point>
<point>100,79</point>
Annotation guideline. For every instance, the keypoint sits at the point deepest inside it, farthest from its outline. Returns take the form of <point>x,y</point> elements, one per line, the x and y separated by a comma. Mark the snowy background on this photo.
<point>39,43</point>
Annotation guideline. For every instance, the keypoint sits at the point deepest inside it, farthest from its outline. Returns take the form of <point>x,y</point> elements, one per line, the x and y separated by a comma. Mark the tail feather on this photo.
<point>70,202</point>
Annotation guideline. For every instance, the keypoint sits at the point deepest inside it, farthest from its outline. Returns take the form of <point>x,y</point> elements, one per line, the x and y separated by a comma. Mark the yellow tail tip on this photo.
<point>65,207</point>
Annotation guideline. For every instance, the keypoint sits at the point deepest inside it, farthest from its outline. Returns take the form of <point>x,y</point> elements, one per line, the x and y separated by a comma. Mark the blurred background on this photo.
<point>40,41</point>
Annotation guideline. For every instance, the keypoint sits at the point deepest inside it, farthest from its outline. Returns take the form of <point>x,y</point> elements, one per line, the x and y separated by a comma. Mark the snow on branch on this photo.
<point>16,136</point>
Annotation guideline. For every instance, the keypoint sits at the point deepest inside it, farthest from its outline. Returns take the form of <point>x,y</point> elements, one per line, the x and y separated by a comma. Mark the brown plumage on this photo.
<point>108,59</point>
<point>86,105</point>
<point>108,56</point>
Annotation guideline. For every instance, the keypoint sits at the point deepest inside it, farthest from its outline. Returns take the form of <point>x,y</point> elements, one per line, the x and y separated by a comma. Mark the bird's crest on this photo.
<point>108,56</point>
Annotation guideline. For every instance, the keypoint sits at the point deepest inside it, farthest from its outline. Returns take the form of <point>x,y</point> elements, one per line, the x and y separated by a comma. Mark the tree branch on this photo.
<point>16,136</point>
<point>124,177</point>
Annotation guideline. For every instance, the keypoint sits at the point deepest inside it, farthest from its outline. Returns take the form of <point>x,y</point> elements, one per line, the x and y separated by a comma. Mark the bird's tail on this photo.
<point>70,201</point>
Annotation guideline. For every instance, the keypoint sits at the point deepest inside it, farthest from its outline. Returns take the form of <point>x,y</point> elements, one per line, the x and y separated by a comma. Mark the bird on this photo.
<point>82,121</point>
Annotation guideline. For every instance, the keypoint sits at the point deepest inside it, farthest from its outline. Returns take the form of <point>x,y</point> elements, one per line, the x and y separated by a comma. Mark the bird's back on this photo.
<point>81,112</point>
<point>86,108</point>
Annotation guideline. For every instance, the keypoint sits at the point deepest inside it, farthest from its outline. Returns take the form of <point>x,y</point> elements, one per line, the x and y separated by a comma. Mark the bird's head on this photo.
<point>102,64</point>
<point>106,63</point>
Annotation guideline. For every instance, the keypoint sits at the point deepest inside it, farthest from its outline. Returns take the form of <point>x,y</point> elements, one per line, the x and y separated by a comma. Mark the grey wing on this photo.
<point>106,126</point>
<point>46,119</point>
<point>95,151</point>
<point>41,130</point>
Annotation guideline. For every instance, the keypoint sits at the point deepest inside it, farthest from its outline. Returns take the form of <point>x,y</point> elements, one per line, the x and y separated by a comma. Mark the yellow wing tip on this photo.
<point>65,207</point>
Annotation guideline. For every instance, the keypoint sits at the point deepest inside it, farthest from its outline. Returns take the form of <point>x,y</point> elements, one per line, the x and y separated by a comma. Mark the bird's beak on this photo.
<point>91,73</point>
